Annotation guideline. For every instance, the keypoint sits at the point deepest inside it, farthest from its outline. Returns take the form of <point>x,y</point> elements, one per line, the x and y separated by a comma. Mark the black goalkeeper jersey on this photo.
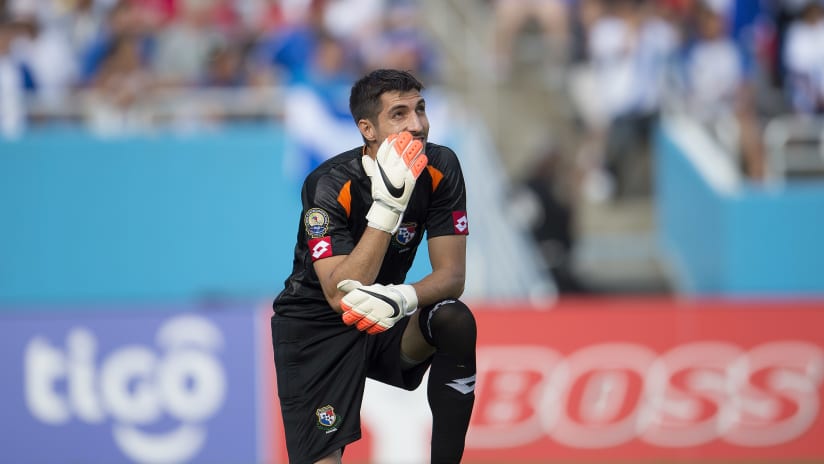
<point>336,197</point>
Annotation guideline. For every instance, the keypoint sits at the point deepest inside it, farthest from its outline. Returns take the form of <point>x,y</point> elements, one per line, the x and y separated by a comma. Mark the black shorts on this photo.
<point>321,369</point>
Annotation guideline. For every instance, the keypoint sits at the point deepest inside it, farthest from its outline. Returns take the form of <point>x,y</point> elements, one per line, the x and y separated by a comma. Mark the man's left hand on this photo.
<point>376,308</point>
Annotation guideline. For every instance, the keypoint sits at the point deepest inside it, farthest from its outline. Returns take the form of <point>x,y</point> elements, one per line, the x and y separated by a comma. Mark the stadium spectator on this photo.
<point>159,12</point>
<point>13,76</point>
<point>227,67</point>
<point>318,96</point>
<point>629,48</point>
<point>122,82</point>
<point>355,21</point>
<point>804,59</point>
<point>186,43</point>
<point>718,82</point>
<point>401,43</point>
<point>262,17</point>
<point>545,200</point>
<point>124,20</point>
<point>48,55</point>
<point>583,14</point>
<point>80,22</point>
<point>511,17</point>
<point>288,50</point>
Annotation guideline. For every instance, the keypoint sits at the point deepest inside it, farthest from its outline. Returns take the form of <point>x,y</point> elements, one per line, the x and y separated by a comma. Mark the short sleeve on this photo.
<point>447,211</point>
<point>325,219</point>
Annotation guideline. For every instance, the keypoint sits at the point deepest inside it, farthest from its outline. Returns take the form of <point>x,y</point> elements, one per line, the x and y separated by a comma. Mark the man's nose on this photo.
<point>414,124</point>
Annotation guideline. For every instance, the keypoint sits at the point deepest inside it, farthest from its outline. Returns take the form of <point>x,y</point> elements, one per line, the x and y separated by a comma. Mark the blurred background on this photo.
<point>646,196</point>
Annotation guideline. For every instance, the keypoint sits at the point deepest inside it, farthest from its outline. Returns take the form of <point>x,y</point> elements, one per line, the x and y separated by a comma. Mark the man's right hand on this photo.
<point>394,170</point>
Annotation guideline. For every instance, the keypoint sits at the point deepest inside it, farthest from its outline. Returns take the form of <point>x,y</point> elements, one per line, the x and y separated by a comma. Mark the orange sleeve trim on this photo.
<point>437,176</point>
<point>345,197</point>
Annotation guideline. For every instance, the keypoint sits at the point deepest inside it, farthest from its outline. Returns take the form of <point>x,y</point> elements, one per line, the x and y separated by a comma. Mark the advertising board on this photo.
<point>595,380</point>
<point>144,387</point>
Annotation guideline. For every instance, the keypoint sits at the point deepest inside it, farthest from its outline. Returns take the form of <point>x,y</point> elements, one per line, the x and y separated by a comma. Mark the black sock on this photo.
<point>451,387</point>
<point>451,409</point>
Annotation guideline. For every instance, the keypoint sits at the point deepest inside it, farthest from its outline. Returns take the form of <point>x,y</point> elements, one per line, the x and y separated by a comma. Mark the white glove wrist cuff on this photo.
<point>382,218</point>
<point>411,297</point>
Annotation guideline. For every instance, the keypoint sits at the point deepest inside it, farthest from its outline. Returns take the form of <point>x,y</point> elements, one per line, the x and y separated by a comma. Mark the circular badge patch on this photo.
<point>316,222</point>
<point>406,233</point>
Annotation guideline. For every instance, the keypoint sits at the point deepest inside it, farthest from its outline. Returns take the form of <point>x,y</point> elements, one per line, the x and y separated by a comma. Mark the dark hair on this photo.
<point>365,99</point>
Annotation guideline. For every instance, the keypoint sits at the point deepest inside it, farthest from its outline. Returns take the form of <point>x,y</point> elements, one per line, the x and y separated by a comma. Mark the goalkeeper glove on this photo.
<point>376,308</point>
<point>394,170</point>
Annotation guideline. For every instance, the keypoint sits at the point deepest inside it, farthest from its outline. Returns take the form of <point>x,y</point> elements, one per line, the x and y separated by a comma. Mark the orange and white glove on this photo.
<point>376,308</point>
<point>394,171</point>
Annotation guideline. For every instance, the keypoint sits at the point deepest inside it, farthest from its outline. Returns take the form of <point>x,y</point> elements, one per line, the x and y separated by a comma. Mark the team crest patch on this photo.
<point>460,223</point>
<point>316,222</point>
<point>328,420</point>
<point>406,232</point>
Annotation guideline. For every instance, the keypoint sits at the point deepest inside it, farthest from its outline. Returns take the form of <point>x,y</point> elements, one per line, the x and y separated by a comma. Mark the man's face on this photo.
<point>402,111</point>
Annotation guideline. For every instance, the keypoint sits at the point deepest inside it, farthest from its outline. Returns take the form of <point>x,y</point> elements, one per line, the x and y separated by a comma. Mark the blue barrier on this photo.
<point>740,239</point>
<point>165,217</point>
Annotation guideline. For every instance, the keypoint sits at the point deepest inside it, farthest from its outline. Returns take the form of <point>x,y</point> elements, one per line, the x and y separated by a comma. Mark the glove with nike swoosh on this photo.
<point>394,171</point>
<point>376,308</point>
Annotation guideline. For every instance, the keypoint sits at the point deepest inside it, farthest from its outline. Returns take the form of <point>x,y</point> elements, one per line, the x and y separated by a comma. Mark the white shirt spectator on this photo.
<point>51,60</point>
<point>804,58</point>
<point>714,73</point>
<point>12,111</point>
<point>629,63</point>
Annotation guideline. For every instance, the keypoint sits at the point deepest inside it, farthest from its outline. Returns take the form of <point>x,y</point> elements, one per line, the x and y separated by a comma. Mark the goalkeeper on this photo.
<point>346,312</point>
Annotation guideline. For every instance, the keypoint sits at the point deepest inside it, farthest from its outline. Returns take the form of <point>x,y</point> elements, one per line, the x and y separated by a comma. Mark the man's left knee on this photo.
<point>447,319</point>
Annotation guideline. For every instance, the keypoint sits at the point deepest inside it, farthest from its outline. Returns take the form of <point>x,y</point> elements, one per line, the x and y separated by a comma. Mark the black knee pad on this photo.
<point>447,320</point>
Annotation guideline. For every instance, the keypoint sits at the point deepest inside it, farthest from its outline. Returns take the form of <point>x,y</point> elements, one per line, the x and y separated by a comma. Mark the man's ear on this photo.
<point>367,130</point>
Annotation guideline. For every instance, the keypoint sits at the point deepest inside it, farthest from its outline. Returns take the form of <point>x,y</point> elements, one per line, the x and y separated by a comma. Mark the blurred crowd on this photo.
<point>717,55</point>
<point>119,53</point>
<point>729,66</point>
<point>729,63</point>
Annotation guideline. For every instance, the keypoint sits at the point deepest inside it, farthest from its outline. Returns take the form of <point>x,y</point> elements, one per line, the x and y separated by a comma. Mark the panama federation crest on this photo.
<point>328,420</point>
<point>406,232</point>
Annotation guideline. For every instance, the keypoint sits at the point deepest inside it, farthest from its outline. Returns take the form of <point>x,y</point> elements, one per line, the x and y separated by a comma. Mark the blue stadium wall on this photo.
<point>744,240</point>
<point>165,217</point>
<point>213,216</point>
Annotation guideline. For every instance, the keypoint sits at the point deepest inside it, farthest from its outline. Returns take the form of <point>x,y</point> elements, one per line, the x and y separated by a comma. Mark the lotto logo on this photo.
<point>460,222</point>
<point>320,248</point>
